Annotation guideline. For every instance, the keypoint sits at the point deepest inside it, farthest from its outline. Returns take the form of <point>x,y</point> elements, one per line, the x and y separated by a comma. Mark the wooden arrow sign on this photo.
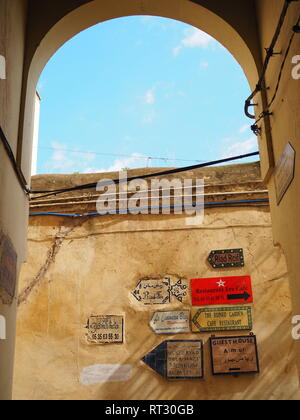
<point>177,359</point>
<point>227,258</point>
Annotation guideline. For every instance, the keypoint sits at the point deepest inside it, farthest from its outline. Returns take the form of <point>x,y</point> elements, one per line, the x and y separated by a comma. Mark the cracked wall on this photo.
<point>78,269</point>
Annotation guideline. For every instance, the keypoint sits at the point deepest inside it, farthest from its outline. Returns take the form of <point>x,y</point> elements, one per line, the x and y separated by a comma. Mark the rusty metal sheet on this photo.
<point>171,322</point>
<point>105,329</point>
<point>222,319</point>
<point>234,355</point>
<point>227,258</point>
<point>8,269</point>
<point>177,359</point>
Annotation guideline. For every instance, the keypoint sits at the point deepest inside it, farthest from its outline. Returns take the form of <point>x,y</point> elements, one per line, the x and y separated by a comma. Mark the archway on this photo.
<point>224,27</point>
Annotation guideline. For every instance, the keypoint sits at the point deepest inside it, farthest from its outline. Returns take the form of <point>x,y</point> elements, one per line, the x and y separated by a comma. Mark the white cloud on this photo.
<point>149,97</point>
<point>177,50</point>
<point>136,160</point>
<point>204,64</point>
<point>243,129</point>
<point>236,148</point>
<point>194,38</point>
<point>64,160</point>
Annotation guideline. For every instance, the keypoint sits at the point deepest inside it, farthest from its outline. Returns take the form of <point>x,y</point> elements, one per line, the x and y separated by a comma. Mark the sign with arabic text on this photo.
<point>160,290</point>
<point>105,329</point>
<point>234,355</point>
<point>285,172</point>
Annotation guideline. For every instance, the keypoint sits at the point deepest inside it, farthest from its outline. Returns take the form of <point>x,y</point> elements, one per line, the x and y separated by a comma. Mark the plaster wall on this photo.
<point>90,266</point>
<point>13,202</point>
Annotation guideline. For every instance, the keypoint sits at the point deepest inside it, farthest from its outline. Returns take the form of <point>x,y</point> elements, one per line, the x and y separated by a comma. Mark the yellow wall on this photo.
<point>13,203</point>
<point>245,31</point>
<point>94,266</point>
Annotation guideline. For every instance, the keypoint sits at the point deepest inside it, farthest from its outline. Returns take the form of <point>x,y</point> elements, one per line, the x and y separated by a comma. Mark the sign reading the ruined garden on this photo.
<point>8,269</point>
<point>234,355</point>
<point>222,319</point>
<point>221,291</point>
<point>171,322</point>
<point>105,329</point>
<point>285,172</point>
<point>159,291</point>
<point>228,258</point>
<point>177,359</point>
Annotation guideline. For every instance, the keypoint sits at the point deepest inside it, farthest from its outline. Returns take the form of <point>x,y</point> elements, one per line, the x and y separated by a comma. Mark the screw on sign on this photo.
<point>221,291</point>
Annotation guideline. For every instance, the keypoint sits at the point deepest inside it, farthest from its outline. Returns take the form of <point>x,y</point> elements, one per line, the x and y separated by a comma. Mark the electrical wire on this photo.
<point>93,185</point>
<point>135,156</point>
<point>242,203</point>
<point>270,54</point>
<point>49,193</point>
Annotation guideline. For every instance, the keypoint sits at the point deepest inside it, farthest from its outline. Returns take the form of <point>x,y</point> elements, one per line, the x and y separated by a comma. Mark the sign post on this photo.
<point>222,319</point>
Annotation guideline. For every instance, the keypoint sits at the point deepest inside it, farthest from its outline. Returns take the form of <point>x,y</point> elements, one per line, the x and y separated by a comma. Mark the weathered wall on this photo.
<point>13,203</point>
<point>83,267</point>
<point>285,128</point>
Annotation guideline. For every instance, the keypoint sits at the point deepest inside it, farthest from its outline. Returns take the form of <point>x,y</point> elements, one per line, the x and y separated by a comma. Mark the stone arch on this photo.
<point>223,22</point>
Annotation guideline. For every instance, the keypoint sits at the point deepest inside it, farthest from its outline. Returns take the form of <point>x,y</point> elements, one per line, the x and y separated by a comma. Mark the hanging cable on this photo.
<point>270,53</point>
<point>49,193</point>
<point>93,185</point>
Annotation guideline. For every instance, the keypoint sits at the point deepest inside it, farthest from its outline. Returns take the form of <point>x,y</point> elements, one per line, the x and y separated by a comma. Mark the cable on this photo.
<point>242,203</point>
<point>135,156</point>
<point>49,193</point>
<point>16,167</point>
<point>156,174</point>
<point>270,53</point>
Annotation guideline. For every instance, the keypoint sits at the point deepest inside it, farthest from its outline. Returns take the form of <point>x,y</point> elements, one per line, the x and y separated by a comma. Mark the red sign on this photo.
<point>221,291</point>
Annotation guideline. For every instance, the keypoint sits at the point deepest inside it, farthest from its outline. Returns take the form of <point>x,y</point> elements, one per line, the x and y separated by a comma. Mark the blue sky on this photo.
<point>139,87</point>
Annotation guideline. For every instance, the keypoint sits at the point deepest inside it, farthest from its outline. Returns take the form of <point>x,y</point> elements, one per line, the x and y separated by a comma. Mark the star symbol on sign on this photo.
<point>221,283</point>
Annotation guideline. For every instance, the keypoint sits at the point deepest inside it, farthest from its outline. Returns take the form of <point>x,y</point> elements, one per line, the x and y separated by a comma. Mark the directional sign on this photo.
<point>234,355</point>
<point>221,291</point>
<point>105,329</point>
<point>222,319</point>
<point>160,290</point>
<point>228,258</point>
<point>171,322</point>
<point>177,359</point>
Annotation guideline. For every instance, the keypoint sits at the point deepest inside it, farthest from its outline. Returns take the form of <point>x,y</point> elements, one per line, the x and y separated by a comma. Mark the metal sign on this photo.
<point>228,258</point>
<point>171,322</point>
<point>221,291</point>
<point>285,172</point>
<point>159,291</point>
<point>105,329</point>
<point>177,359</point>
<point>222,319</point>
<point>8,269</point>
<point>234,355</point>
